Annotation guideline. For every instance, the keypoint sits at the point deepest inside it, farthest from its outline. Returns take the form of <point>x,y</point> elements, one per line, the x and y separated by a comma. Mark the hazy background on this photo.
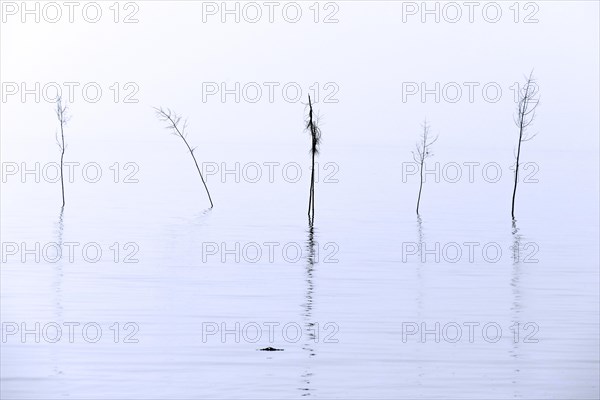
<point>368,213</point>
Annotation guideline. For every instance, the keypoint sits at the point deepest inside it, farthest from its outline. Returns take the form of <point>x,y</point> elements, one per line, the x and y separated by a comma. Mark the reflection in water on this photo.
<point>190,222</point>
<point>58,280</point>
<point>59,268</point>
<point>204,212</point>
<point>309,324</point>
<point>183,232</point>
<point>516,242</point>
<point>516,304</point>
<point>420,288</point>
<point>60,226</point>
<point>514,283</point>
<point>419,267</point>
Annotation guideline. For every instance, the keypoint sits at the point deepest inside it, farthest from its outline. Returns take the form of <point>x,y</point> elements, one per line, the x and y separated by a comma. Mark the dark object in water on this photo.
<point>315,133</point>
<point>270,349</point>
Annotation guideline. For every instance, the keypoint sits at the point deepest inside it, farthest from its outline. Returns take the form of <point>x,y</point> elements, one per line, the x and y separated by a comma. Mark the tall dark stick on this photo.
<point>62,119</point>
<point>420,185</point>
<point>312,186</point>
<point>173,121</point>
<point>315,134</point>
<point>422,152</point>
<point>528,101</point>
<point>312,170</point>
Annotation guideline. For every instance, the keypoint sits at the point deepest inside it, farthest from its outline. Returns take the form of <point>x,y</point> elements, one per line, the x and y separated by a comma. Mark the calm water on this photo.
<point>162,298</point>
<point>352,312</point>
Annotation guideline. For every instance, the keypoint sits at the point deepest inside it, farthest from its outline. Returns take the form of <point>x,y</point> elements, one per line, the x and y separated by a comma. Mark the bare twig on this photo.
<point>423,151</point>
<point>61,115</point>
<point>178,128</point>
<point>526,108</point>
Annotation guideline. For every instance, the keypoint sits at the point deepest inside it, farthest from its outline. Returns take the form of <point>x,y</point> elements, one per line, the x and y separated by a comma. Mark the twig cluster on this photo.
<point>526,109</point>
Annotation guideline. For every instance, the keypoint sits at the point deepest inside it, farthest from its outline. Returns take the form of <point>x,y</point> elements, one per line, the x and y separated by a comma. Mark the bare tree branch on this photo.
<point>422,152</point>
<point>173,124</point>
<point>526,109</point>
<point>61,115</point>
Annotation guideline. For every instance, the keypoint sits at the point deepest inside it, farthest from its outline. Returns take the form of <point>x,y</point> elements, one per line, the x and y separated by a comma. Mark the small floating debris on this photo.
<point>270,349</point>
